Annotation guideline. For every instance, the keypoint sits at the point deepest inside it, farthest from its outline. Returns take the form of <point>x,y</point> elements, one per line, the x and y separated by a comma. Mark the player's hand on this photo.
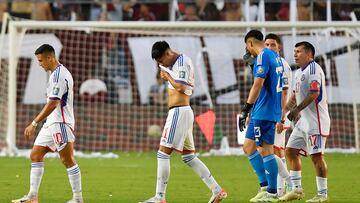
<point>294,114</point>
<point>243,116</point>
<point>164,75</point>
<point>29,132</point>
<point>279,127</point>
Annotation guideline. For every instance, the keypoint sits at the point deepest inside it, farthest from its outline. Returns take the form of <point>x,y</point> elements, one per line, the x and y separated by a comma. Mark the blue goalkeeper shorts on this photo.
<point>261,131</point>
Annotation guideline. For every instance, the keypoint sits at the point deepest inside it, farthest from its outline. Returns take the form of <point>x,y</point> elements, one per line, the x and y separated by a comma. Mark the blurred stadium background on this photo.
<point>120,105</point>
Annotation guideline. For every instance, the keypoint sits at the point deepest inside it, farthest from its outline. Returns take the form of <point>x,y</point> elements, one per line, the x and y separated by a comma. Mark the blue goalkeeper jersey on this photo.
<point>268,104</point>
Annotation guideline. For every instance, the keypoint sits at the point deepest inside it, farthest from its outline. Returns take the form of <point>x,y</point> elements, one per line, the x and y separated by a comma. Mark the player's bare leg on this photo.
<point>36,173</point>
<point>321,178</point>
<point>67,158</point>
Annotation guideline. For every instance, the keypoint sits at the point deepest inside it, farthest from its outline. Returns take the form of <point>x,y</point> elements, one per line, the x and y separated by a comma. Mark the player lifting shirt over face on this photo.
<point>178,71</point>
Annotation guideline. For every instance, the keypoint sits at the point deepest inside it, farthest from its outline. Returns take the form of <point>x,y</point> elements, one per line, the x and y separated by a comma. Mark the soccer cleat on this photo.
<point>268,198</point>
<point>26,199</point>
<point>318,198</point>
<point>154,200</point>
<point>259,195</point>
<point>296,194</point>
<point>75,201</point>
<point>216,198</point>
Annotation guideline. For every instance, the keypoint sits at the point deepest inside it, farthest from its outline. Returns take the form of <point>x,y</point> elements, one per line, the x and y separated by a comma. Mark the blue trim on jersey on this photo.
<point>54,98</point>
<point>177,58</point>
<point>64,98</point>
<point>57,74</point>
<point>312,68</point>
<point>319,98</point>
<point>64,133</point>
<point>181,60</point>
<point>173,125</point>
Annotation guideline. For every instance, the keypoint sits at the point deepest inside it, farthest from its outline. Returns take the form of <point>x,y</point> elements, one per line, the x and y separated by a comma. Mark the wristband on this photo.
<point>33,123</point>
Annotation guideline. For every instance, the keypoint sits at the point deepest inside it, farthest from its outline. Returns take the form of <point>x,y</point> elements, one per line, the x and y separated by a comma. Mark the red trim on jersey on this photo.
<point>314,86</point>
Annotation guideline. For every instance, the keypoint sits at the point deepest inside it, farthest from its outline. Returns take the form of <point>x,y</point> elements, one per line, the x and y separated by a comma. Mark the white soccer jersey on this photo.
<point>60,87</point>
<point>315,117</point>
<point>287,84</point>
<point>182,71</point>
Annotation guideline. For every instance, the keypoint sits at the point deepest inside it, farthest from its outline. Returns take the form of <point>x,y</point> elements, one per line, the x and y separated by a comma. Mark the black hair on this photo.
<point>45,49</point>
<point>307,46</point>
<point>254,34</point>
<point>158,49</point>
<point>274,37</point>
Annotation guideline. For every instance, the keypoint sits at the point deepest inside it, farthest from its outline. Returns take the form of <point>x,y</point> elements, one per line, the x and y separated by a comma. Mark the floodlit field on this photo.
<point>131,178</point>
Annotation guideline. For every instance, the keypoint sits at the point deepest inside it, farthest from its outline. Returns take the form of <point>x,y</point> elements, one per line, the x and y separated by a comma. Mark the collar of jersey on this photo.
<point>178,56</point>
<point>303,68</point>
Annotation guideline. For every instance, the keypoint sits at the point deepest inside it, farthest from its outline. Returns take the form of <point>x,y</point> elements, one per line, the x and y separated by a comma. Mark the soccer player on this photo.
<point>57,132</point>
<point>178,71</point>
<point>272,41</point>
<point>265,101</point>
<point>309,107</point>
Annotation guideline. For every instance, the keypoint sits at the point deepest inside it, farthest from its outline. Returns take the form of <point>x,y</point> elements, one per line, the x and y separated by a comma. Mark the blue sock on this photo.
<point>258,165</point>
<point>271,169</point>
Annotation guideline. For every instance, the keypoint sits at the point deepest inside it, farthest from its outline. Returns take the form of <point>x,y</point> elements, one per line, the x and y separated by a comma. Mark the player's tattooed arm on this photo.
<point>308,100</point>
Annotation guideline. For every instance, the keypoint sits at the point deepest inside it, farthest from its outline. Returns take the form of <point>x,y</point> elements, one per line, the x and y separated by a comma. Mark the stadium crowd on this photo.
<point>196,10</point>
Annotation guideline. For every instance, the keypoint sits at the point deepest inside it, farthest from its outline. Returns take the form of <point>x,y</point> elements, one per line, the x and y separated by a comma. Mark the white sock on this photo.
<point>296,179</point>
<point>199,167</point>
<point>36,173</point>
<point>283,174</point>
<point>75,181</point>
<point>321,184</point>
<point>163,174</point>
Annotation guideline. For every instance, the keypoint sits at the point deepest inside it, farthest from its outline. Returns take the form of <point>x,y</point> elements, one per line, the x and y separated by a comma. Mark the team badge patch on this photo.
<point>285,81</point>
<point>55,91</point>
<point>260,70</point>
<point>182,74</point>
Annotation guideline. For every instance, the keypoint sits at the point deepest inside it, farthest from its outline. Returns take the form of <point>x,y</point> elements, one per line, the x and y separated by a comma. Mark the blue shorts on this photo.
<point>261,131</point>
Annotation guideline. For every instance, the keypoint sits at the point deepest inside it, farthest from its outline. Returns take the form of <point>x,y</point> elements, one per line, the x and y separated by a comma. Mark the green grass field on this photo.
<point>132,178</point>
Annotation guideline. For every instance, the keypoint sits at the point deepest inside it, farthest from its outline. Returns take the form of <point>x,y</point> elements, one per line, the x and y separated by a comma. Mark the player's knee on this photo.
<point>35,157</point>
<point>68,161</point>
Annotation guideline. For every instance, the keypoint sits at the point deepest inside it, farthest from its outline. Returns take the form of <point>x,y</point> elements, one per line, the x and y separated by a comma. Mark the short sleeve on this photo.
<point>314,78</point>
<point>262,65</point>
<point>286,76</point>
<point>57,87</point>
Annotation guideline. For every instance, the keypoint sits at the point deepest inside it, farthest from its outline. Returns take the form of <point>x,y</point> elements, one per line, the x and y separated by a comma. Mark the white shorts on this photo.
<point>279,142</point>
<point>55,136</point>
<point>310,144</point>
<point>178,129</point>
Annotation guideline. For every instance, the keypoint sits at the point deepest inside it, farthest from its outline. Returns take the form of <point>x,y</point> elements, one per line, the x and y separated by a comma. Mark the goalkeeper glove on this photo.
<point>248,59</point>
<point>243,115</point>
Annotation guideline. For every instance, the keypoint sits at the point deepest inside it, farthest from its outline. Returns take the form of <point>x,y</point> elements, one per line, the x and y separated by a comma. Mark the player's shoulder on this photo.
<point>314,68</point>
<point>61,72</point>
